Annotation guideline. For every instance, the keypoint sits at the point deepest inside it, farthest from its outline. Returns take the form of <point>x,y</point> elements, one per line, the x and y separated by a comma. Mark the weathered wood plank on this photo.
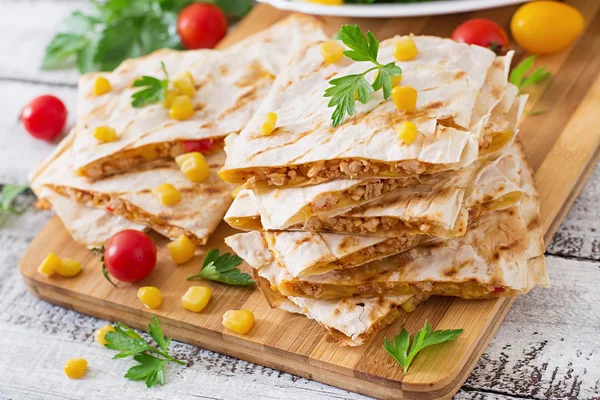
<point>579,235</point>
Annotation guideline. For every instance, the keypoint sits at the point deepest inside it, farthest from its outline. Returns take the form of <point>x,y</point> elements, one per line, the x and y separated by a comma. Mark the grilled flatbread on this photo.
<point>130,196</point>
<point>500,255</point>
<point>90,227</point>
<point>458,87</point>
<point>230,85</point>
<point>347,321</point>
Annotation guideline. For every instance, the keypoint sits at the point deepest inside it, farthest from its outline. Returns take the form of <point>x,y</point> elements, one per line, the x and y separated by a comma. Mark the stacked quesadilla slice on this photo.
<point>89,179</point>
<point>351,226</point>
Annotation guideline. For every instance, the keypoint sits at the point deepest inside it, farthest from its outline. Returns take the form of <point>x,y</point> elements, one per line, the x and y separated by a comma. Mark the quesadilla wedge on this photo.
<point>450,79</point>
<point>349,322</point>
<point>229,86</point>
<point>130,195</point>
<point>90,227</point>
<point>500,255</point>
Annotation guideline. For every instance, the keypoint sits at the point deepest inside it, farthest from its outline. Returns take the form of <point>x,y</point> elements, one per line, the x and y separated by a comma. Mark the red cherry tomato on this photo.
<point>130,255</point>
<point>44,117</point>
<point>201,26</point>
<point>198,145</point>
<point>482,32</point>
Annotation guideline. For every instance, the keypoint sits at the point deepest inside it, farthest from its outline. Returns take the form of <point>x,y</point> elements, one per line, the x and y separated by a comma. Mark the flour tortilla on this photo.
<point>230,84</point>
<point>129,195</point>
<point>500,255</point>
<point>449,78</point>
<point>346,321</point>
<point>90,227</point>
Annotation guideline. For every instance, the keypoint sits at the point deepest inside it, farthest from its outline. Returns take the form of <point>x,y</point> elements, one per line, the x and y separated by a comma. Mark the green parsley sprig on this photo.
<point>222,268</point>
<point>402,351</point>
<point>151,359</point>
<point>115,30</point>
<point>343,90</point>
<point>517,75</point>
<point>9,194</point>
<point>155,89</point>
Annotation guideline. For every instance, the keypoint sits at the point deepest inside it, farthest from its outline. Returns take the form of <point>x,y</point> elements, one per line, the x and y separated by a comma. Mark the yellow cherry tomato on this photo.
<point>544,27</point>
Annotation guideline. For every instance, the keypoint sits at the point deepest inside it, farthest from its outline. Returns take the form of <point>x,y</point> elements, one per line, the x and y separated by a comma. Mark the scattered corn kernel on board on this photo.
<point>562,145</point>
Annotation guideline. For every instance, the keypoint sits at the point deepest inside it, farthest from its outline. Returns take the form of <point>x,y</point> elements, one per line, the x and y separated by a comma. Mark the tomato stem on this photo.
<point>99,251</point>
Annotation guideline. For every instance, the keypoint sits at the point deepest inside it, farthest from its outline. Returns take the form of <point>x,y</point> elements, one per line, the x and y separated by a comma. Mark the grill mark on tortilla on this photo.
<point>534,223</point>
<point>458,75</point>
<point>244,99</point>
<point>328,77</point>
<point>256,72</point>
<point>223,70</point>
<point>349,241</point>
<point>298,243</point>
<point>296,138</point>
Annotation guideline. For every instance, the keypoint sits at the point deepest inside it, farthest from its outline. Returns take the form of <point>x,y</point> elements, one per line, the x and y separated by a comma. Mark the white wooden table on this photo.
<point>548,346</point>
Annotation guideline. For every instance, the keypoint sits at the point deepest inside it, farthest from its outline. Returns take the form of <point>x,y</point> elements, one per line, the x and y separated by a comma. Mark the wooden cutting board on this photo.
<point>562,145</point>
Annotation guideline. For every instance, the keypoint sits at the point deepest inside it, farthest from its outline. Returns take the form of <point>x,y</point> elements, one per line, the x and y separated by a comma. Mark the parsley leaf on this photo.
<point>131,344</point>
<point>9,194</point>
<point>344,89</point>
<point>404,353</point>
<point>155,89</point>
<point>517,75</point>
<point>222,268</point>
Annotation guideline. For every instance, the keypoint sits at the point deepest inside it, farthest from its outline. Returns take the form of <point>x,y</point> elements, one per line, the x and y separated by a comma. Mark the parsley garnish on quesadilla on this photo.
<point>402,351</point>
<point>343,90</point>
<point>222,268</point>
<point>154,89</point>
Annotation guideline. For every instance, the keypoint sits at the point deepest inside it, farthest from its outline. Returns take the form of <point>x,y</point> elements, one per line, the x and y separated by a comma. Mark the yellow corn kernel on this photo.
<point>405,49</point>
<point>75,367</point>
<point>150,296</point>
<point>332,51</point>
<point>407,132</point>
<point>182,108</point>
<point>239,321</point>
<point>405,98</point>
<point>236,191</point>
<point>396,80</point>
<point>149,152</point>
<point>167,194</point>
<point>196,298</point>
<point>193,166</point>
<point>328,2</point>
<point>68,267</point>
<point>269,125</point>
<point>49,266</point>
<point>170,96</point>
<point>105,134</point>
<point>101,332</point>
<point>101,86</point>
<point>184,84</point>
<point>181,249</point>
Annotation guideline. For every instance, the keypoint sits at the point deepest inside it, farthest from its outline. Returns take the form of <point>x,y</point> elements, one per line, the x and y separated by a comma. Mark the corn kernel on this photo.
<point>182,108</point>
<point>269,125</point>
<point>407,132</point>
<point>181,249</point>
<point>328,2</point>
<point>101,86</point>
<point>193,166</point>
<point>239,321</point>
<point>49,266</point>
<point>170,96</point>
<point>405,49</point>
<point>405,98</point>
<point>196,298</point>
<point>235,192</point>
<point>68,267</point>
<point>184,84</point>
<point>396,80</point>
<point>101,332</point>
<point>332,51</point>
<point>149,152</point>
<point>105,134</point>
<point>167,194</point>
<point>75,367</point>
<point>150,296</point>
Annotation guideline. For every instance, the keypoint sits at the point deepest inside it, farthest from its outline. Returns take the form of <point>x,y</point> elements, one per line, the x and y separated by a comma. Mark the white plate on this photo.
<point>388,10</point>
